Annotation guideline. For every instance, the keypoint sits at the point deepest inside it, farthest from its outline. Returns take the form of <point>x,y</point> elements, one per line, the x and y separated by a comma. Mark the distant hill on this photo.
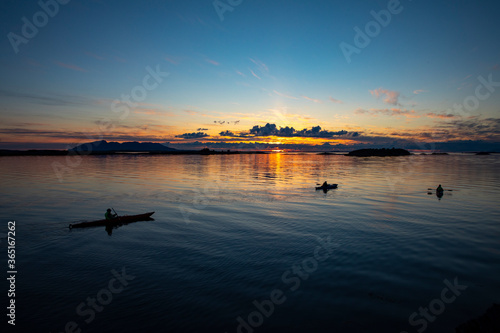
<point>379,152</point>
<point>104,146</point>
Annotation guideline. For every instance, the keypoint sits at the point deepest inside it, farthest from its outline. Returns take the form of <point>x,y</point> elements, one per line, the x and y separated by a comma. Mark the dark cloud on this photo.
<point>222,122</point>
<point>202,129</point>
<point>227,133</point>
<point>194,135</point>
<point>471,128</point>
<point>441,115</point>
<point>314,132</point>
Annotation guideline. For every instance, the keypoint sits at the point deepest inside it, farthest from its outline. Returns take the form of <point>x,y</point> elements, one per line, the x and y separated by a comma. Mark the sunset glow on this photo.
<point>182,76</point>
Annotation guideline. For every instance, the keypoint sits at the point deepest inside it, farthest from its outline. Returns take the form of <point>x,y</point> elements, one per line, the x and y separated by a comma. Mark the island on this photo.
<point>379,152</point>
<point>113,148</point>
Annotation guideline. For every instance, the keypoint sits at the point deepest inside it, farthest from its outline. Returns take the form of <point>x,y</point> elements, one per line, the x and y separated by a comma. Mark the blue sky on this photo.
<point>277,62</point>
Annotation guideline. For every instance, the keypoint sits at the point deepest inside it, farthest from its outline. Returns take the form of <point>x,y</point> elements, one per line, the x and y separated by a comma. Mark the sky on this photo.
<point>242,74</point>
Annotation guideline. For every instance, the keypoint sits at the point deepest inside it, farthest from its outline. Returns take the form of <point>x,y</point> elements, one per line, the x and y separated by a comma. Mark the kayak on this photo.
<point>117,220</point>
<point>327,187</point>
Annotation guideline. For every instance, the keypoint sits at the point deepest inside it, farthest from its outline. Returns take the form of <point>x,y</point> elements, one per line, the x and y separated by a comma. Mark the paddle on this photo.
<point>431,189</point>
<point>116,214</point>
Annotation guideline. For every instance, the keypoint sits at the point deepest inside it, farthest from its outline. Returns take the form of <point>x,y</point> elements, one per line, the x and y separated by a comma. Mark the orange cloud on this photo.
<point>335,100</point>
<point>153,112</point>
<point>253,73</point>
<point>440,116</point>
<point>284,95</point>
<point>390,96</point>
<point>192,113</point>
<point>313,100</point>
<point>213,62</point>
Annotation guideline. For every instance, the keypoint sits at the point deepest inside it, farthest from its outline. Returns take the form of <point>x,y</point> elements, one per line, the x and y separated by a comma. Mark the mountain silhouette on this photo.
<point>104,146</point>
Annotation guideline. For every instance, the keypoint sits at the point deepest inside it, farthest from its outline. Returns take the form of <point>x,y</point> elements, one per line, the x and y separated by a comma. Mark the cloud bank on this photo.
<point>289,132</point>
<point>194,135</point>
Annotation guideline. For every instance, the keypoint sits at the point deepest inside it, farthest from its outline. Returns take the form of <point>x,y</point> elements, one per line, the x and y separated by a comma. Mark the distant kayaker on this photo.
<point>440,188</point>
<point>109,215</point>
<point>325,184</point>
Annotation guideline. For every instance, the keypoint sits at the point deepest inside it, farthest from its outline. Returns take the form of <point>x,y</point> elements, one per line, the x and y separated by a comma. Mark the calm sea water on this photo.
<point>235,231</point>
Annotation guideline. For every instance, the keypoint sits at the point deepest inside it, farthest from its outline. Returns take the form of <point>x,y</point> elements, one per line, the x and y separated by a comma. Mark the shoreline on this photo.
<point>72,153</point>
<point>35,152</point>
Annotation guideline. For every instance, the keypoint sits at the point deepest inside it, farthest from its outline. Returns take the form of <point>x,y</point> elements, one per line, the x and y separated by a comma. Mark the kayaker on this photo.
<point>325,184</point>
<point>109,215</point>
<point>440,188</point>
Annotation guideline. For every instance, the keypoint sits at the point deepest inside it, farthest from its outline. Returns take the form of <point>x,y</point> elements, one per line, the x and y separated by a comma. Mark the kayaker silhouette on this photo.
<point>325,187</point>
<point>439,192</point>
<point>109,215</point>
